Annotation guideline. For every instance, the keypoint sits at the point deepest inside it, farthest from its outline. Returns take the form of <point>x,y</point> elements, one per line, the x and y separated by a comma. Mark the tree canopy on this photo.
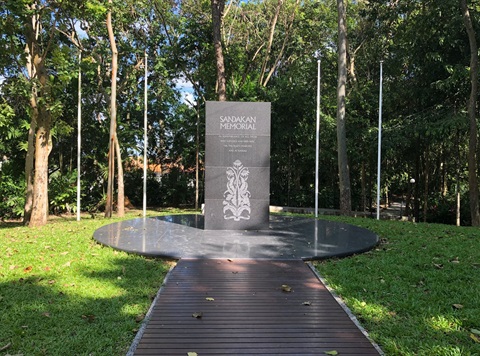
<point>268,47</point>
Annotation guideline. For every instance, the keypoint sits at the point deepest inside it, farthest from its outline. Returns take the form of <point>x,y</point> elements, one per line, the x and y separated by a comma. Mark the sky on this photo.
<point>186,90</point>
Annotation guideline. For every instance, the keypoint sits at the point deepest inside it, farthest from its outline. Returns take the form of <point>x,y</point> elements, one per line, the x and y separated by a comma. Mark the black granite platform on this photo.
<point>183,236</point>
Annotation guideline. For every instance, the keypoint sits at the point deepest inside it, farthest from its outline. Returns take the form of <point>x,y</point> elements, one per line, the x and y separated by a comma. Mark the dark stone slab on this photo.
<point>183,236</point>
<point>221,150</point>
<point>258,184</point>
<point>237,165</point>
<point>258,219</point>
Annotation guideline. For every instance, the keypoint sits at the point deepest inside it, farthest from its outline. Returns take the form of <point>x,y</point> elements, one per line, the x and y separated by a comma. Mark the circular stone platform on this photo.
<point>288,237</point>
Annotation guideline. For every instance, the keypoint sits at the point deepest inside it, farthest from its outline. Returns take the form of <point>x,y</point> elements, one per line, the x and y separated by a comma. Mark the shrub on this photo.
<point>12,195</point>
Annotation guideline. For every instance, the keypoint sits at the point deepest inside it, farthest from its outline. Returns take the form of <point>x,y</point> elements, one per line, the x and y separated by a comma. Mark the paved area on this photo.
<point>248,307</point>
<point>243,292</point>
<point>288,237</point>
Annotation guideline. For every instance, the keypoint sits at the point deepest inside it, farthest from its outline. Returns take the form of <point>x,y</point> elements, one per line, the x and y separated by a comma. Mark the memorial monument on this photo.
<point>237,166</point>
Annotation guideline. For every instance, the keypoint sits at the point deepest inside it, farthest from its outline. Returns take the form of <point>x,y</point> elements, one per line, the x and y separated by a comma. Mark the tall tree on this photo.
<point>39,136</point>
<point>343,168</point>
<point>217,17</point>
<point>472,108</point>
<point>114,146</point>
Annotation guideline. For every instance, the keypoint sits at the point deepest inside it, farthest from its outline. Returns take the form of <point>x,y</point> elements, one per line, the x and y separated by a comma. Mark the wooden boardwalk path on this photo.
<point>243,307</point>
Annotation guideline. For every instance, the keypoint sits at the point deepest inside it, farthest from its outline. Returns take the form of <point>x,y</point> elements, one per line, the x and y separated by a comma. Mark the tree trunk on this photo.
<point>40,187</point>
<point>29,159</point>
<point>343,168</point>
<point>113,116</point>
<point>197,158</point>
<point>120,184</point>
<point>472,106</point>
<point>270,40</point>
<point>458,167</point>
<point>427,183</point>
<point>364,188</point>
<point>217,15</point>
<point>39,139</point>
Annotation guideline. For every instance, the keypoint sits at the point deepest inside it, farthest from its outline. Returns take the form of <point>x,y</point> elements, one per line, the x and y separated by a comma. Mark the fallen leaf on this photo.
<point>64,253</point>
<point>455,260</point>
<point>46,314</point>
<point>139,318</point>
<point>457,306</point>
<point>307,303</point>
<point>229,260</point>
<point>475,331</point>
<point>438,266</point>
<point>52,281</point>
<point>475,338</point>
<point>12,267</point>
<point>286,288</point>
<point>333,352</point>
<point>192,354</point>
<point>234,272</point>
<point>210,299</point>
<point>90,318</point>
<point>47,268</point>
<point>7,346</point>
<point>197,315</point>
<point>67,264</point>
<point>27,269</point>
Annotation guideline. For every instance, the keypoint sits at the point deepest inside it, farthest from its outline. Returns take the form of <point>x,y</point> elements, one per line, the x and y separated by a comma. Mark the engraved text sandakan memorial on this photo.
<point>237,164</point>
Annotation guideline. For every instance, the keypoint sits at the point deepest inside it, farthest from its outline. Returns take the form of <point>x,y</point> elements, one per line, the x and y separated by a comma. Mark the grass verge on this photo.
<point>61,293</point>
<point>418,292</point>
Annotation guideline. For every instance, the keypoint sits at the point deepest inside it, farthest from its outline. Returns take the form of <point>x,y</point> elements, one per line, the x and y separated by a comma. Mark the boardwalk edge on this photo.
<point>141,330</point>
<point>344,307</point>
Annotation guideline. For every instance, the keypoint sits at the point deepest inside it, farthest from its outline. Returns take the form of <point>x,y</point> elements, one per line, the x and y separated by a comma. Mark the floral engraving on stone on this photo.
<point>236,205</point>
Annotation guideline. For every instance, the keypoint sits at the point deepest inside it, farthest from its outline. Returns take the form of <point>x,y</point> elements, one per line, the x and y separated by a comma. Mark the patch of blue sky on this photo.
<point>185,87</point>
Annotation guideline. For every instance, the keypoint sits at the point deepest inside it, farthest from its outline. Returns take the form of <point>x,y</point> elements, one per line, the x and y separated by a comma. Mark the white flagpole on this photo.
<point>145,138</point>
<point>317,141</point>
<point>79,134</point>
<point>379,140</point>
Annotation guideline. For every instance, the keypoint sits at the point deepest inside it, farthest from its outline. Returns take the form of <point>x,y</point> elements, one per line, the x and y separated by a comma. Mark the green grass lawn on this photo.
<point>61,293</point>
<point>418,293</point>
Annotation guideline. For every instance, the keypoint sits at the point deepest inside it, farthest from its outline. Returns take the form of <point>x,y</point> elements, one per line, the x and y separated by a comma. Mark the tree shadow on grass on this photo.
<point>10,224</point>
<point>97,312</point>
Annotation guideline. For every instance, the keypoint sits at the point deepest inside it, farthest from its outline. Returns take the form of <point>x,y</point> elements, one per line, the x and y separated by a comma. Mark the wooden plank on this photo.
<point>245,310</point>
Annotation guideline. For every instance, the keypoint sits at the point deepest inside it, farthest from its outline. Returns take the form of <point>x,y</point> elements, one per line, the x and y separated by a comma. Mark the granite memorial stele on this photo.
<point>237,165</point>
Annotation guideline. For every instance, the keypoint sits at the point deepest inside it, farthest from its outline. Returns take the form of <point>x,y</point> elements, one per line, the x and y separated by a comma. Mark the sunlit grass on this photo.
<point>417,293</point>
<point>61,293</point>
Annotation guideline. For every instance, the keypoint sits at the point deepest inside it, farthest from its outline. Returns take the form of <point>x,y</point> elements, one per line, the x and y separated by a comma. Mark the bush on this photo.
<point>12,194</point>
<point>63,192</point>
